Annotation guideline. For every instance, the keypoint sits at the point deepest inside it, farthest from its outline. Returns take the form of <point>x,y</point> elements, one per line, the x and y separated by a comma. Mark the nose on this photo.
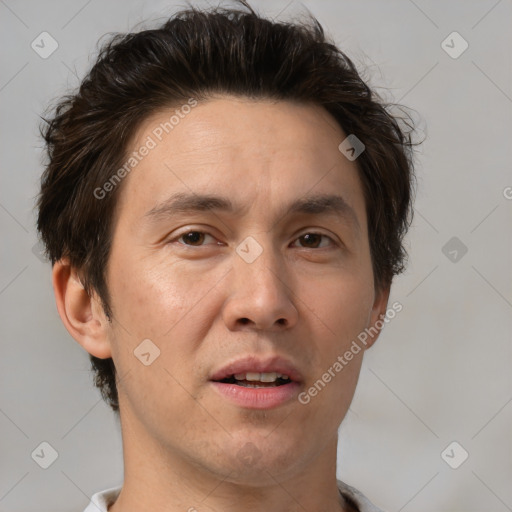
<point>261,294</point>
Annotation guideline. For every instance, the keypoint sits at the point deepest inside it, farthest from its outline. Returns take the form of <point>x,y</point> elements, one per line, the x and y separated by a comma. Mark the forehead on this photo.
<point>247,149</point>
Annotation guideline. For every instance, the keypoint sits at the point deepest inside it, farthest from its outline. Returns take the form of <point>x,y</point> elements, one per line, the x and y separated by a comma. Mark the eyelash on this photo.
<point>333,243</point>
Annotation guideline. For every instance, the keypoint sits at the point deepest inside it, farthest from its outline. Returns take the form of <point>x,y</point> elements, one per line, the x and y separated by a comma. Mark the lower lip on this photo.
<point>257,398</point>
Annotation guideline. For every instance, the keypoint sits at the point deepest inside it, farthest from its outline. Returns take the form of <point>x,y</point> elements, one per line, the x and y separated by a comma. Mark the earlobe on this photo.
<point>378,314</point>
<point>81,314</point>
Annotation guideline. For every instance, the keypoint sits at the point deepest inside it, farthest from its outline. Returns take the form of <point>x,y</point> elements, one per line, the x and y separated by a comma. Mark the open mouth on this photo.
<point>253,390</point>
<point>257,380</point>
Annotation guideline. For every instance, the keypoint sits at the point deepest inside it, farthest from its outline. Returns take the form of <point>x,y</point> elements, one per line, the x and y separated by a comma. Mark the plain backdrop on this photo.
<point>439,374</point>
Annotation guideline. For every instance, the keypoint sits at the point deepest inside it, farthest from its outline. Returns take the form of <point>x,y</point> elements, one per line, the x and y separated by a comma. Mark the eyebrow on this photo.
<point>310,205</point>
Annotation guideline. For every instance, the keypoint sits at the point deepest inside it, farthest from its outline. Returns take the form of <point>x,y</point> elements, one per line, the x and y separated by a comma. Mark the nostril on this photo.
<point>244,321</point>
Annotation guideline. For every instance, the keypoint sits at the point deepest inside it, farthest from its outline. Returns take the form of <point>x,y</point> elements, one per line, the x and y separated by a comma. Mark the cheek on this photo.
<point>160,398</point>
<point>341,304</point>
<point>153,301</point>
<point>170,307</point>
<point>338,308</point>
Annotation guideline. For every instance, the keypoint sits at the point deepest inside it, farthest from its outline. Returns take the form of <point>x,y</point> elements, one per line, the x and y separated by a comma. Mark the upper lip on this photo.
<point>256,364</point>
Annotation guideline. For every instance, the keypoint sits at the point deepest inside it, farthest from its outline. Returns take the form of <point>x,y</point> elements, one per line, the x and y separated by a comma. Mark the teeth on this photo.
<point>260,377</point>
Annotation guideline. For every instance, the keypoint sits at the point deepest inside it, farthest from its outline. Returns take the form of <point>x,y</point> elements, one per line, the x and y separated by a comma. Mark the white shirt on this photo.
<point>102,500</point>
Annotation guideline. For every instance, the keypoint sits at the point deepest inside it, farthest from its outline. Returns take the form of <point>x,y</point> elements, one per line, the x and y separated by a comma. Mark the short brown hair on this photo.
<point>197,53</point>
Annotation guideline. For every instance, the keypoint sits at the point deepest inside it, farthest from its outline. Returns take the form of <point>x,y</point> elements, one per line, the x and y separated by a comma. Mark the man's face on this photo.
<point>211,286</point>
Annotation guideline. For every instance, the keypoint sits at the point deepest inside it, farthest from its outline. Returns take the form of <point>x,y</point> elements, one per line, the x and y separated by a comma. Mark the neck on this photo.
<point>164,479</point>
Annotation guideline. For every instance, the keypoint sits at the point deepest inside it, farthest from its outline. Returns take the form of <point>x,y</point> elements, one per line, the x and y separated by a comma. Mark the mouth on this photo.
<point>274,370</point>
<point>257,380</point>
<point>258,384</point>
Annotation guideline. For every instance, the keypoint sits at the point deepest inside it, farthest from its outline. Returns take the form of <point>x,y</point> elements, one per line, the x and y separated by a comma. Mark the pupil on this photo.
<point>311,236</point>
<point>194,237</point>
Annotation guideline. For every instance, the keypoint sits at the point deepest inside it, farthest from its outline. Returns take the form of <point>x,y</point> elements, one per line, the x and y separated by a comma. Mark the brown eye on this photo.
<point>193,238</point>
<point>313,240</point>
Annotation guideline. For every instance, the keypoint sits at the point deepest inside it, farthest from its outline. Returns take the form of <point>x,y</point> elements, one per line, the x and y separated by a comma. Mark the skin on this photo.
<point>201,304</point>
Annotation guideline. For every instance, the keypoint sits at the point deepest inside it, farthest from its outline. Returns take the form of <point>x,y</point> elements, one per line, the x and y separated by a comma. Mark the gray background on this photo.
<point>441,369</point>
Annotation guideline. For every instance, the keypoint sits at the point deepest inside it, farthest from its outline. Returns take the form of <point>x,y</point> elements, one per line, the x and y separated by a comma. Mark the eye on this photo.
<point>313,240</point>
<point>193,238</point>
<point>308,240</point>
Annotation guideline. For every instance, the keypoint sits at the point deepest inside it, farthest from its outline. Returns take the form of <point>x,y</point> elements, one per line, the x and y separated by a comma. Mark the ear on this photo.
<point>81,314</point>
<point>377,314</point>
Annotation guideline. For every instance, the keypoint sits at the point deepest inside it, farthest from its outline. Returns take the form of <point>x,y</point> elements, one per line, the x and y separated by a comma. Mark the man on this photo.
<point>224,206</point>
